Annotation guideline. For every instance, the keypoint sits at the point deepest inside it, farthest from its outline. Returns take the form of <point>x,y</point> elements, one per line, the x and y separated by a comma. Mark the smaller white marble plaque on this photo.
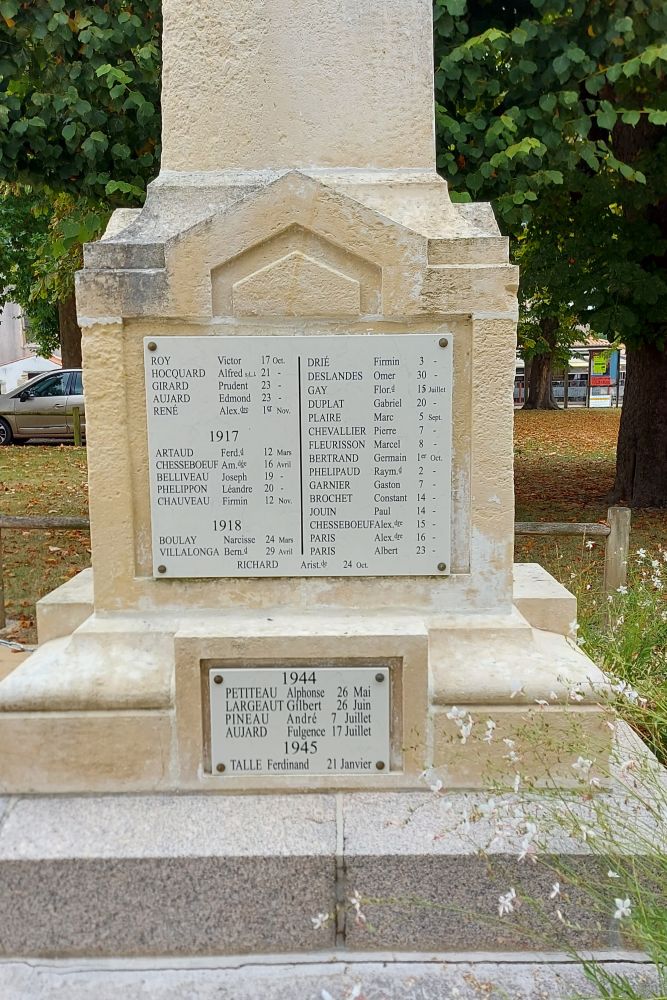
<point>300,720</point>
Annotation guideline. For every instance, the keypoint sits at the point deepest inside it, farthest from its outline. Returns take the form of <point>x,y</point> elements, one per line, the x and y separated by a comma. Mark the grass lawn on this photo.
<point>564,469</point>
<point>36,479</point>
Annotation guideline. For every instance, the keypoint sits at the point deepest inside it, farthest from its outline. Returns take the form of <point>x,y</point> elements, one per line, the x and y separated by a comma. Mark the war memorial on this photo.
<point>303,614</point>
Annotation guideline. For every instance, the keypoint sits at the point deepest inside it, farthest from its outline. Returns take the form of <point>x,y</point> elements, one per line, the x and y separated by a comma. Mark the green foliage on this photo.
<point>79,96</point>
<point>41,238</point>
<point>548,321</point>
<point>556,111</point>
<point>79,127</point>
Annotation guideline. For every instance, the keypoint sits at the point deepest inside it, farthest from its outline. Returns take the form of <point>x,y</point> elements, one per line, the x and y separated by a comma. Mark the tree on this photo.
<point>558,110</point>
<point>548,321</point>
<point>40,251</point>
<point>79,127</point>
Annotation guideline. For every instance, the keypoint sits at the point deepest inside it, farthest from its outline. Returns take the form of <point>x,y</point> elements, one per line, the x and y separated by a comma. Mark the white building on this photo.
<point>18,359</point>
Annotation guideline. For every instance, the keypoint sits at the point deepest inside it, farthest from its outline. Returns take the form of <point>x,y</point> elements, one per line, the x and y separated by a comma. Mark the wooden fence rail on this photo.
<point>616,532</point>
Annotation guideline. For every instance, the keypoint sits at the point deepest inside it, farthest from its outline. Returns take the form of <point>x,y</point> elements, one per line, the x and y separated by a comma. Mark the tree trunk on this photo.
<point>70,334</point>
<point>641,460</point>
<point>539,392</point>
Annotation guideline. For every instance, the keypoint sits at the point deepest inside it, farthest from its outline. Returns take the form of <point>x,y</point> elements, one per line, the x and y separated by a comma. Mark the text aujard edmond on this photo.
<point>300,456</point>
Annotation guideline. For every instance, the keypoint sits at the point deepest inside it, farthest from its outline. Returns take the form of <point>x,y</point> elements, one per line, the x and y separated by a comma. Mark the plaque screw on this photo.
<point>221,768</point>
<point>442,567</point>
<point>380,765</point>
<point>218,678</point>
<point>443,343</point>
<point>162,569</point>
<point>379,678</point>
<point>151,345</point>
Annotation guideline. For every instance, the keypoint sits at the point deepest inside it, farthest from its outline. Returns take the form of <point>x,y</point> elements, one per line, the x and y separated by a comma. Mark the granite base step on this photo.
<point>189,875</point>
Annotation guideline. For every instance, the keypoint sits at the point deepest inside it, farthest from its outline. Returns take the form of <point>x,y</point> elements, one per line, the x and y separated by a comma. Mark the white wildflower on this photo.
<point>590,544</point>
<point>488,735</point>
<point>641,554</point>
<point>624,689</point>
<point>321,920</point>
<point>555,890</point>
<point>527,844</point>
<point>542,702</point>
<point>355,901</point>
<point>456,713</point>
<point>623,909</point>
<point>465,729</point>
<point>582,766</point>
<point>612,874</point>
<point>517,689</point>
<point>655,564</point>
<point>506,902</point>
<point>517,782</point>
<point>575,695</point>
<point>622,589</point>
<point>553,696</point>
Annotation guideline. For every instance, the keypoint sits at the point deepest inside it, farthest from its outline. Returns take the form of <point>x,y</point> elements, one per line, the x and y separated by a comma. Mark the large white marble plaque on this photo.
<point>296,720</point>
<point>300,456</point>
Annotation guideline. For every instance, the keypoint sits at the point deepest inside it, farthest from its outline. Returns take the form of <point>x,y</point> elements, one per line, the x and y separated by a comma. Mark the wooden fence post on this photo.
<point>76,421</point>
<point>618,545</point>
<point>3,619</point>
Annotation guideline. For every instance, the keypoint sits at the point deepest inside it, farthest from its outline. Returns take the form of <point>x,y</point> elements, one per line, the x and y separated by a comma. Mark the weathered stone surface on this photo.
<point>206,875</point>
<point>66,607</point>
<point>437,977</point>
<point>165,876</point>
<point>297,83</point>
<point>542,600</point>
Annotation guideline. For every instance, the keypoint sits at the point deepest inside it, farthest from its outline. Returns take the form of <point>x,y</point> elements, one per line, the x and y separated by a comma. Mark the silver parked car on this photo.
<point>42,408</point>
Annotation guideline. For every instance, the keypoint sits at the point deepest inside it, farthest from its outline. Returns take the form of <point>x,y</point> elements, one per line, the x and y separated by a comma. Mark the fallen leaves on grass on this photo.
<point>41,480</point>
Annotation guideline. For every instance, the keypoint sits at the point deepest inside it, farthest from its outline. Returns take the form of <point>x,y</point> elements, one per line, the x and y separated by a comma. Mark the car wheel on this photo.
<point>6,436</point>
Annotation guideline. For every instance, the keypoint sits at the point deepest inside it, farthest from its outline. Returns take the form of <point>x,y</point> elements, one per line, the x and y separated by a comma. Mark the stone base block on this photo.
<point>121,704</point>
<point>65,608</point>
<point>207,875</point>
<point>43,752</point>
<point>165,876</point>
<point>533,744</point>
<point>542,600</point>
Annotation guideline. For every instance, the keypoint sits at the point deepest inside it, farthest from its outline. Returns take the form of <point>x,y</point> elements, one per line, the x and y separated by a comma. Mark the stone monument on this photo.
<point>299,358</point>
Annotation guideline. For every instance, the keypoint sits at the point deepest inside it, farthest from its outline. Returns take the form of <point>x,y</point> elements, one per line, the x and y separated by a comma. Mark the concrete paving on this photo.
<point>322,977</point>
<point>10,659</point>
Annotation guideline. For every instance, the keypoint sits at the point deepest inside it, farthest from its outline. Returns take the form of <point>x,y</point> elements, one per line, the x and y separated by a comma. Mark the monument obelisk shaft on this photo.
<point>297,84</point>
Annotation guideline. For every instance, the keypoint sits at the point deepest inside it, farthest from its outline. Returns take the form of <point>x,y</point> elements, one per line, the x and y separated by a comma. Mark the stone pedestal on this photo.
<point>298,196</point>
